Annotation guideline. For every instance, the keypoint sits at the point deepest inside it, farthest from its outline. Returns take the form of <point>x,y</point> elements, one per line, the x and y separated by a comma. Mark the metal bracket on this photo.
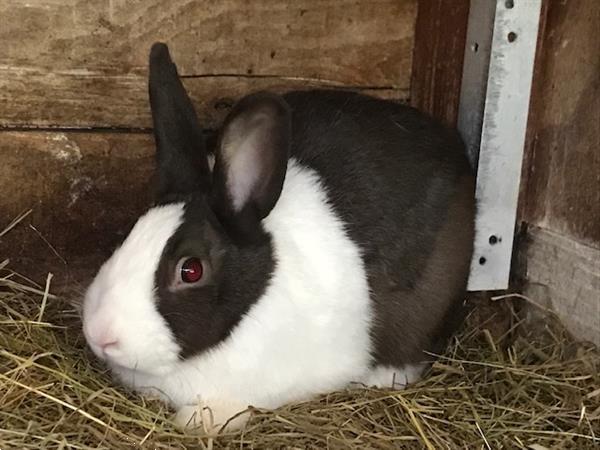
<point>494,129</point>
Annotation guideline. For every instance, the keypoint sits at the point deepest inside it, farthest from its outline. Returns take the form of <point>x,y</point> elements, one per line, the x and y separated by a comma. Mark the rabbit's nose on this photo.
<point>106,347</point>
<point>101,337</point>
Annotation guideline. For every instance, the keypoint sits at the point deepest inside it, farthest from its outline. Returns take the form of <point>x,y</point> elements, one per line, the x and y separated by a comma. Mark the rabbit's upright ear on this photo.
<point>251,162</point>
<point>180,149</point>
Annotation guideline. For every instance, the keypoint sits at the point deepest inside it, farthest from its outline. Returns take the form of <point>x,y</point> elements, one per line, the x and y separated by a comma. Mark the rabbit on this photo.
<point>325,243</point>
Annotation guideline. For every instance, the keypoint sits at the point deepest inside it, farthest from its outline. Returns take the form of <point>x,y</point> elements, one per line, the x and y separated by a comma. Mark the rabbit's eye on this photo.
<point>191,270</point>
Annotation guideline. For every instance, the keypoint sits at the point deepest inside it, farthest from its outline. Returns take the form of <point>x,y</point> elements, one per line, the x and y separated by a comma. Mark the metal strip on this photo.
<point>508,90</point>
<point>478,47</point>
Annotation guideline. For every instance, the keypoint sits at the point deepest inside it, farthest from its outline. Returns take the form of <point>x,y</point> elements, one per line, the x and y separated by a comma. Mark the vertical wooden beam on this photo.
<point>561,182</point>
<point>536,108</point>
<point>440,34</point>
<point>559,259</point>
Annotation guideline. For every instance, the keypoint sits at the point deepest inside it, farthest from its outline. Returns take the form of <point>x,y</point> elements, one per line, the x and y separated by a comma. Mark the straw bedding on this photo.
<point>489,390</point>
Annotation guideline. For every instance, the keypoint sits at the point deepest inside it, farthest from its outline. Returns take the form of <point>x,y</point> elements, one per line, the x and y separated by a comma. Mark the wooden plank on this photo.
<point>560,188</point>
<point>561,176</point>
<point>78,63</point>
<point>90,101</point>
<point>564,275</point>
<point>440,34</point>
<point>85,190</point>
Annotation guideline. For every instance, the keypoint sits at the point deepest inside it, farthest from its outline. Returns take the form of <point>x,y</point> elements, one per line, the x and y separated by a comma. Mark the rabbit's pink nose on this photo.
<point>102,340</point>
<point>111,344</point>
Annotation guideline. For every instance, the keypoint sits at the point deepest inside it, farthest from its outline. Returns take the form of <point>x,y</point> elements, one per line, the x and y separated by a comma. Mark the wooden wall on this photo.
<point>74,116</point>
<point>80,63</point>
<point>440,34</point>
<point>560,198</point>
<point>76,148</point>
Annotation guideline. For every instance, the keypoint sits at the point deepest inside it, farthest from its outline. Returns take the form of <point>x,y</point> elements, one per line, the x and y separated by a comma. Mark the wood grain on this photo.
<point>83,64</point>
<point>85,190</point>
<point>122,101</point>
<point>563,275</point>
<point>560,187</point>
<point>561,176</point>
<point>440,35</point>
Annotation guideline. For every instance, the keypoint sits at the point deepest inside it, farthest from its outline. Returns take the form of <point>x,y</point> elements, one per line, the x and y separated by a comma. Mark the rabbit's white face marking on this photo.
<point>120,319</point>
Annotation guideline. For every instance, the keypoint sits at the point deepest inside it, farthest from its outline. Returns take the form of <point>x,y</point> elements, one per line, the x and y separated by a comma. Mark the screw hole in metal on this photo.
<point>512,36</point>
<point>482,261</point>
<point>509,4</point>
<point>493,239</point>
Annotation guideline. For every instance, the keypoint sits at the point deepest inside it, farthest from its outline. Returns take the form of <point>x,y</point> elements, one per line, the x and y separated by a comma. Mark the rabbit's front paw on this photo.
<point>211,417</point>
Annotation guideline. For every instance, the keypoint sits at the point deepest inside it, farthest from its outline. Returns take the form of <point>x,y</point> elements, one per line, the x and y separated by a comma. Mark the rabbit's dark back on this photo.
<point>403,186</point>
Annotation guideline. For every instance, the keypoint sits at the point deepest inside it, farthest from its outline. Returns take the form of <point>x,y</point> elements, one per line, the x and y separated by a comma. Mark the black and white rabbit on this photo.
<point>329,244</point>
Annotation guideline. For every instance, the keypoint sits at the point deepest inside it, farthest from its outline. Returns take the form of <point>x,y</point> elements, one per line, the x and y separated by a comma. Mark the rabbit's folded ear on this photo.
<point>180,149</point>
<point>251,162</point>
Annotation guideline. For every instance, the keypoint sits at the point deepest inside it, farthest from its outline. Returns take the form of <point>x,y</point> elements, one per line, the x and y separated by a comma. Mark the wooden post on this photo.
<point>440,34</point>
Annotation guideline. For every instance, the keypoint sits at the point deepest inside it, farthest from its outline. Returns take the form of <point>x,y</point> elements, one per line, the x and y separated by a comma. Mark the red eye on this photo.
<point>191,270</point>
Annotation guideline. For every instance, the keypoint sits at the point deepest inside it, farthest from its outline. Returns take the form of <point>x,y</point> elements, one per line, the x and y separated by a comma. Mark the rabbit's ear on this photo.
<point>180,149</point>
<point>251,162</point>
